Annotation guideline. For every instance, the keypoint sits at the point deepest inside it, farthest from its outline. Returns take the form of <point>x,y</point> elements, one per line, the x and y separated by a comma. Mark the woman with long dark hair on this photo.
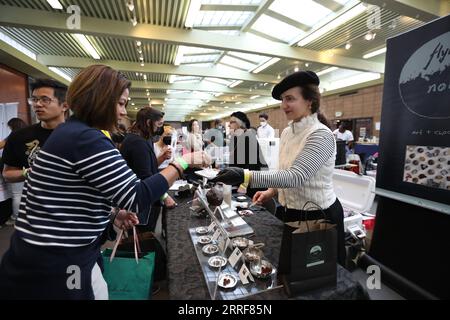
<point>76,179</point>
<point>138,151</point>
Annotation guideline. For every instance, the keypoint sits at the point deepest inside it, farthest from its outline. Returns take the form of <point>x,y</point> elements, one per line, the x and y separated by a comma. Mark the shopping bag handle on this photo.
<point>315,206</point>
<point>137,247</point>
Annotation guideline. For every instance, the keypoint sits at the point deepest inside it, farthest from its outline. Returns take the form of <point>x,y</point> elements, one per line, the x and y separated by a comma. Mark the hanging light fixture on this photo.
<point>370,36</point>
<point>130,5</point>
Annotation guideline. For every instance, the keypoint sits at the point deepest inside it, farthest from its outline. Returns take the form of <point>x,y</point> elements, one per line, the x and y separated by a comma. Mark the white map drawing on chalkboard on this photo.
<point>424,82</point>
<point>428,166</point>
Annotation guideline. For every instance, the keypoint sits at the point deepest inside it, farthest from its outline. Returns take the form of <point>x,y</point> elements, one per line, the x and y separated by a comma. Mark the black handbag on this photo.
<point>308,255</point>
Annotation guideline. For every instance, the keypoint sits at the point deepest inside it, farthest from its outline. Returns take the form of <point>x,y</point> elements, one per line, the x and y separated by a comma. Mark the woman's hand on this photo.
<point>198,159</point>
<point>125,220</point>
<point>170,203</point>
<point>166,153</point>
<point>231,175</point>
<point>263,196</point>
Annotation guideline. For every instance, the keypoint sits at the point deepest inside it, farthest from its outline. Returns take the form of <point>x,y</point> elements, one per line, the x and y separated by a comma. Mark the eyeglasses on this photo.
<point>44,100</point>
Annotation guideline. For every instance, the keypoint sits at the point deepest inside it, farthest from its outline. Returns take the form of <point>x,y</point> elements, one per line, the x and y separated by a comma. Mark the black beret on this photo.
<point>297,79</point>
<point>243,117</point>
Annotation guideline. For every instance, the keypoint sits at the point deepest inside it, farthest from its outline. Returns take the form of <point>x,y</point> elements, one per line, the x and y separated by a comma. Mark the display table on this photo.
<point>185,276</point>
<point>365,150</point>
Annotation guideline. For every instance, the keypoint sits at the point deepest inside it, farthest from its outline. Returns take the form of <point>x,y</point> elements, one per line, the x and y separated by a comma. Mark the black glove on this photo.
<point>231,175</point>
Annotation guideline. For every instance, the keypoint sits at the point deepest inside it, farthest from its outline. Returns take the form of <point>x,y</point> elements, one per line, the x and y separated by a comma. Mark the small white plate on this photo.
<point>217,262</point>
<point>201,230</point>
<point>210,249</point>
<point>204,239</point>
<point>227,281</point>
<point>239,242</point>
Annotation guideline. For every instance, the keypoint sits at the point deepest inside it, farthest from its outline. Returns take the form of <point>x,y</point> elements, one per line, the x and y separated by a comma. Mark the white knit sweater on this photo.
<point>306,164</point>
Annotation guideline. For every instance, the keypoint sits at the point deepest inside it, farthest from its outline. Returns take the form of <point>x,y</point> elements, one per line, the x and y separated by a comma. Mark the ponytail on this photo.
<point>311,92</point>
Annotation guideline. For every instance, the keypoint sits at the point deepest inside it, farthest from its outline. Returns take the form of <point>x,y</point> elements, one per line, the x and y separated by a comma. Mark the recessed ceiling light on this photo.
<point>370,35</point>
<point>348,45</point>
<point>374,53</point>
<point>87,45</point>
<point>55,4</point>
<point>138,43</point>
<point>130,5</point>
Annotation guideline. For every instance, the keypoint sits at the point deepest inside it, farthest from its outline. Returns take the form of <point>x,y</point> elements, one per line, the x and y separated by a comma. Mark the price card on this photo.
<point>216,235</point>
<point>244,274</point>
<point>235,256</point>
<point>211,226</point>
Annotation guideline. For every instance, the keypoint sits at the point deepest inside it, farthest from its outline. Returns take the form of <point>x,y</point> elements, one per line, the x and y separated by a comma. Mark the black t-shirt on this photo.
<point>23,145</point>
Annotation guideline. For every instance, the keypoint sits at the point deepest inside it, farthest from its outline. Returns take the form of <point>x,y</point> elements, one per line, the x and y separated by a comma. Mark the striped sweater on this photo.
<point>307,156</point>
<point>76,179</point>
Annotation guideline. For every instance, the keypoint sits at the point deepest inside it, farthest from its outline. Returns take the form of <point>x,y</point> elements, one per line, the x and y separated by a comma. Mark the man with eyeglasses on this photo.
<point>48,103</point>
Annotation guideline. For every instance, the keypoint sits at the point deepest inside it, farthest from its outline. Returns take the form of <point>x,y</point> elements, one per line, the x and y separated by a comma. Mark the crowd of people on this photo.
<point>80,177</point>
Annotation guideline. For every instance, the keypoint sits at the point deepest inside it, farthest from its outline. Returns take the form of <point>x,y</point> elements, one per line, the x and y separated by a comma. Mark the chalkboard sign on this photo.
<point>415,133</point>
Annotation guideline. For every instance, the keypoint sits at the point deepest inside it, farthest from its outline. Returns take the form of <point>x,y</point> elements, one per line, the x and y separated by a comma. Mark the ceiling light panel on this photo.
<point>276,28</point>
<point>219,81</point>
<point>222,18</point>
<point>248,56</point>
<point>200,65</point>
<point>237,63</point>
<point>186,79</point>
<point>198,58</point>
<point>226,32</point>
<point>235,2</point>
<point>306,11</point>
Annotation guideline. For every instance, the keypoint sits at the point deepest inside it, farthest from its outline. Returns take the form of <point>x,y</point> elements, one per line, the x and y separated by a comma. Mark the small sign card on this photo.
<point>235,256</point>
<point>244,274</point>
<point>211,226</point>
<point>216,235</point>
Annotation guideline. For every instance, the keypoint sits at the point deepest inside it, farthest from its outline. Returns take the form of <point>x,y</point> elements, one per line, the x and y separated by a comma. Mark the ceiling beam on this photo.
<point>185,97</point>
<point>228,7</point>
<point>218,28</point>
<point>263,6</point>
<point>202,87</point>
<point>330,4</point>
<point>19,61</point>
<point>182,70</point>
<point>287,20</point>
<point>50,21</point>
<point>417,9</point>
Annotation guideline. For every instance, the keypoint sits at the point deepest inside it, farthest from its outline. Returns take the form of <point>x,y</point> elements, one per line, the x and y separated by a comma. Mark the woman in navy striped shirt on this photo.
<point>77,178</point>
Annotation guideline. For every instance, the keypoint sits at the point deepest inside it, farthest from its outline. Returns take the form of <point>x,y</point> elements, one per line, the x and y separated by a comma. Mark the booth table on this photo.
<point>185,276</point>
<point>365,150</point>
